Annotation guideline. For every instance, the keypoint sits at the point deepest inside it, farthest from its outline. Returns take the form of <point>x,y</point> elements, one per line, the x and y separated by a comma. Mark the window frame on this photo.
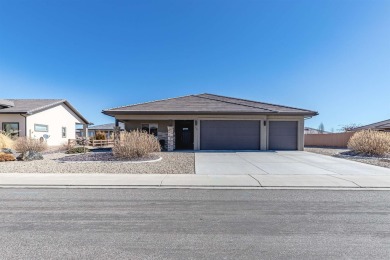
<point>63,132</point>
<point>42,125</point>
<point>150,125</point>
<point>12,134</point>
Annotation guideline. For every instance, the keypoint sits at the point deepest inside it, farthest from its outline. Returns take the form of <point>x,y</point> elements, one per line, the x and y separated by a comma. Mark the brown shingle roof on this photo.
<point>31,106</point>
<point>107,126</point>
<point>206,104</point>
<point>379,125</point>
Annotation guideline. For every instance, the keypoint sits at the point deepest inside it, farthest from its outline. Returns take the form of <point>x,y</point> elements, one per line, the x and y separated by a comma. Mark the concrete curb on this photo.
<point>192,188</point>
<point>52,180</point>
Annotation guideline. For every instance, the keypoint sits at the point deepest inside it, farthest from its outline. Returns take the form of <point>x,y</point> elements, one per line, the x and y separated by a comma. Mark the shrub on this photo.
<point>23,144</point>
<point>6,141</point>
<point>100,136</point>
<point>370,142</point>
<point>5,157</point>
<point>79,149</point>
<point>82,141</point>
<point>135,144</point>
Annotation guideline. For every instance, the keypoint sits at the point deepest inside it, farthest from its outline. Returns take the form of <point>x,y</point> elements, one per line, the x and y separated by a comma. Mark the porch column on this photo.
<point>171,139</point>
<point>301,134</point>
<point>117,132</point>
<point>85,130</point>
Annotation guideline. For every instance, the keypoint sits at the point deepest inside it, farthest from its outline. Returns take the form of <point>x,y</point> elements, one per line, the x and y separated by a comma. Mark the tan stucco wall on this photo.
<point>56,118</point>
<point>136,124</point>
<point>134,121</point>
<point>13,118</point>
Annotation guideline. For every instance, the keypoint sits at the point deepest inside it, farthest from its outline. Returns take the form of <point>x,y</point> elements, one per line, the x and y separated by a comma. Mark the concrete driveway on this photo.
<point>279,162</point>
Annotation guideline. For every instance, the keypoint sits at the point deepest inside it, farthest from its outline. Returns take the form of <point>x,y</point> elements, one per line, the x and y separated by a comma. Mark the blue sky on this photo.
<point>328,56</point>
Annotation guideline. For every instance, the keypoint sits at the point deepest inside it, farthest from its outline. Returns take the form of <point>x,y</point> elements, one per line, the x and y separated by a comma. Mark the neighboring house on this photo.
<point>107,129</point>
<point>381,126</point>
<point>309,130</point>
<point>212,122</point>
<point>53,120</point>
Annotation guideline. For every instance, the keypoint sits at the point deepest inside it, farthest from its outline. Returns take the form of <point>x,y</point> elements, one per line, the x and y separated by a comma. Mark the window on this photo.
<point>41,128</point>
<point>150,128</point>
<point>63,132</point>
<point>11,128</point>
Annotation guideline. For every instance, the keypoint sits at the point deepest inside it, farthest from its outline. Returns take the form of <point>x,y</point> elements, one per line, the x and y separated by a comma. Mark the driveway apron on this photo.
<point>279,162</point>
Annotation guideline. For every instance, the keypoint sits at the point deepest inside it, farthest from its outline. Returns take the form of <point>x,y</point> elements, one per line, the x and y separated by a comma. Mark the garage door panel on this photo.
<point>283,135</point>
<point>229,135</point>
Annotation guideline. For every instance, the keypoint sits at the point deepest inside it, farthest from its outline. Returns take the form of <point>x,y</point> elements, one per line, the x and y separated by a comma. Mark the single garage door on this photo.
<point>230,135</point>
<point>283,135</point>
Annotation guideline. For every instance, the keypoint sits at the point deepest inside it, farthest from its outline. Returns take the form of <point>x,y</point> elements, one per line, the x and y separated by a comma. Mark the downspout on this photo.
<point>25,125</point>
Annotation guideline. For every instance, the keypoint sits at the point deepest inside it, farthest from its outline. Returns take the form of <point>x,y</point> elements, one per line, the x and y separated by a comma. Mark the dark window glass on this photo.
<point>11,128</point>
<point>150,129</point>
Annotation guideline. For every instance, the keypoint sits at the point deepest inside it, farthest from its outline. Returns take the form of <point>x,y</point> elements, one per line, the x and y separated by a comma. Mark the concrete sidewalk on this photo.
<point>195,181</point>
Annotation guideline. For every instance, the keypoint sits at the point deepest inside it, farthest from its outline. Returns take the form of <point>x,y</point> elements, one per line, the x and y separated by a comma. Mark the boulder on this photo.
<point>7,150</point>
<point>30,156</point>
<point>6,157</point>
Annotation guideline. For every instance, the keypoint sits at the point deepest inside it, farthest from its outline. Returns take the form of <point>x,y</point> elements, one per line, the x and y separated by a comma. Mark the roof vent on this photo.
<point>4,103</point>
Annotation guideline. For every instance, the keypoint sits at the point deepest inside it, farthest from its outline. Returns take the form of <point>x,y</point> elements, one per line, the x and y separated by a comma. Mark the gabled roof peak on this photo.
<point>207,104</point>
<point>31,106</point>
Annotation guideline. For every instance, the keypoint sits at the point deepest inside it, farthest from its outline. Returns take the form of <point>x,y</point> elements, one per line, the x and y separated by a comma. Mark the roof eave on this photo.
<point>77,113</point>
<point>16,113</point>
<point>114,113</point>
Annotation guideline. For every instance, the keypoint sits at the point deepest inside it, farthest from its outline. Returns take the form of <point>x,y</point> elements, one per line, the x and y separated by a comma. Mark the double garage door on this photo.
<point>245,135</point>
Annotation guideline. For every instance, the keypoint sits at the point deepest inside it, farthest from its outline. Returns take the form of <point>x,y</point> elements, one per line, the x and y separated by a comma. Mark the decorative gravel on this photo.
<point>383,161</point>
<point>171,162</point>
<point>105,157</point>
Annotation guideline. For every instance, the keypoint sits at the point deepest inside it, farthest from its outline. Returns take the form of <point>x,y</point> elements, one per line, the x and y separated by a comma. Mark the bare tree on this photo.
<point>349,127</point>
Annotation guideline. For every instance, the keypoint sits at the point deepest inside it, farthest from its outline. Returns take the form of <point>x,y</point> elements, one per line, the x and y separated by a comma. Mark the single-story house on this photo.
<point>380,126</point>
<point>53,120</point>
<point>107,129</point>
<point>213,122</point>
<point>310,130</point>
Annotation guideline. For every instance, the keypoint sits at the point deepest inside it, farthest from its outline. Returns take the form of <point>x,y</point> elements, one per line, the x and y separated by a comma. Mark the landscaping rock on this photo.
<point>6,157</point>
<point>7,150</point>
<point>30,156</point>
<point>171,163</point>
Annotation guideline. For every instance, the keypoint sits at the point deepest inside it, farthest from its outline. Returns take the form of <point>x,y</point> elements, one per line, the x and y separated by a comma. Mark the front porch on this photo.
<point>172,134</point>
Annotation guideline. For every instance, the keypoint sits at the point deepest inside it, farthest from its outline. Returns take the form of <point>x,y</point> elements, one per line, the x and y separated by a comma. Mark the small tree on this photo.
<point>321,128</point>
<point>349,127</point>
<point>100,135</point>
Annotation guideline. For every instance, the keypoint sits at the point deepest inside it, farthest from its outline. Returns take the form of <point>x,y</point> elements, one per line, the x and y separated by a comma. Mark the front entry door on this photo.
<point>184,132</point>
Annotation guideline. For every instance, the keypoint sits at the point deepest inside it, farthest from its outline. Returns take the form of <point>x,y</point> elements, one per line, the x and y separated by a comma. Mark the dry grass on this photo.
<point>5,157</point>
<point>6,141</point>
<point>368,142</point>
<point>135,144</point>
<point>23,144</point>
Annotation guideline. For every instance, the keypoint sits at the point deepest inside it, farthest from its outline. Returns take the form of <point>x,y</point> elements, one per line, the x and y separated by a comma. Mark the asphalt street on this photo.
<point>193,224</point>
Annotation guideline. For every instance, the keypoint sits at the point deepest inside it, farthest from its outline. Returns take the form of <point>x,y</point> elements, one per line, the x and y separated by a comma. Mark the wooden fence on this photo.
<point>328,140</point>
<point>94,142</point>
<point>102,142</point>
